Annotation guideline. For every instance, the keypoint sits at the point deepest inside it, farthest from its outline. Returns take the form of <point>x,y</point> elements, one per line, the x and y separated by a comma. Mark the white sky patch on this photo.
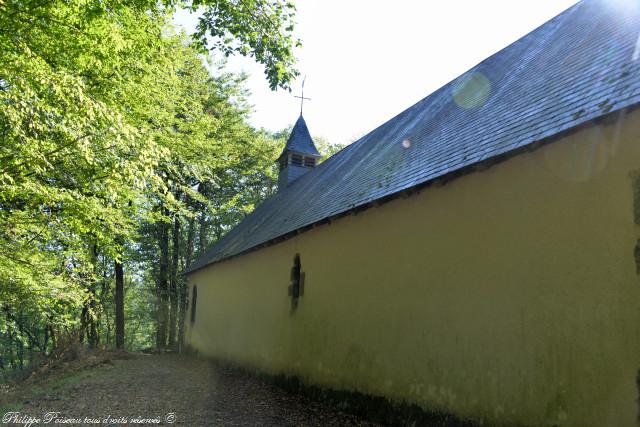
<point>636,52</point>
<point>368,60</point>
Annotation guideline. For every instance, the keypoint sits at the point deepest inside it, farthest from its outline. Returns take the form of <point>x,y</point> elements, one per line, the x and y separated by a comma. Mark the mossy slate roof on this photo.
<point>580,65</point>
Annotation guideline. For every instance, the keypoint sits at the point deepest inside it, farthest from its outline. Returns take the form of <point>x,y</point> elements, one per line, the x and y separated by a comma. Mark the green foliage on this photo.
<point>262,29</point>
<point>72,154</point>
<point>326,148</point>
<point>112,130</point>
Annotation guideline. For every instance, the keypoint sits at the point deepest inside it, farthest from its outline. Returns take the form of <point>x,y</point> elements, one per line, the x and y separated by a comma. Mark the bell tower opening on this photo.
<point>299,155</point>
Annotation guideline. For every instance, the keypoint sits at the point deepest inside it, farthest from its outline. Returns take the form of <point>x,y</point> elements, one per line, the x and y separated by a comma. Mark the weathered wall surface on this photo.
<point>509,295</point>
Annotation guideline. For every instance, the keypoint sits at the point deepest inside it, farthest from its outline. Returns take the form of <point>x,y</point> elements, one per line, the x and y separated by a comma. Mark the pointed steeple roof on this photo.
<point>300,140</point>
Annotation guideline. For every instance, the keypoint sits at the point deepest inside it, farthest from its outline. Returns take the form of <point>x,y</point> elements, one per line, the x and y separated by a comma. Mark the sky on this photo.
<point>366,61</point>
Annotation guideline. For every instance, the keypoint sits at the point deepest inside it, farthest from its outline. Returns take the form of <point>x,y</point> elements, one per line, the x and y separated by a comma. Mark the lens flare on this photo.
<point>622,12</point>
<point>472,90</point>
<point>623,7</point>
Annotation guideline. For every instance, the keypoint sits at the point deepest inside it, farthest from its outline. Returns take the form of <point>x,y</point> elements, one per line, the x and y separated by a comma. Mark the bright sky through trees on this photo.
<point>367,60</point>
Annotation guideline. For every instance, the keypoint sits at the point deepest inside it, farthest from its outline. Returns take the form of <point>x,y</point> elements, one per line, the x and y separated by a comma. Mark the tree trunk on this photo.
<point>106,288</point>
<point>189,249</point>
<point>183,286</point>
<point>45,332</point>
<point>52,333</point>
<point>119,273</point>
<point>183,314</point>
<point>173,315</point>
<point>202,235</point>
<point>162,288</point>
<point>20,354</point>
<point>92,335</point>
<point>10,358</point>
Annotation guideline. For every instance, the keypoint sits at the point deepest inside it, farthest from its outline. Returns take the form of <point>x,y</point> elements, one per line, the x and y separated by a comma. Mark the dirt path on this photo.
<point>176,390</point>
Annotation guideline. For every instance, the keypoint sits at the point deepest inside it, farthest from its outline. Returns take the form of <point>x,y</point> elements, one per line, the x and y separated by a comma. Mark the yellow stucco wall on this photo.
<point>508,295</point>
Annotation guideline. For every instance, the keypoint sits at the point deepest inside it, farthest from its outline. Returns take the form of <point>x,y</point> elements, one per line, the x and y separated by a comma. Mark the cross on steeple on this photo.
<point>302,98</point>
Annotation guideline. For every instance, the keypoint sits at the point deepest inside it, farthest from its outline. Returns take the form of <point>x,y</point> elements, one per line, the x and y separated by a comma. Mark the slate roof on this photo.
<point>300,139</point>
<point>580,65</point>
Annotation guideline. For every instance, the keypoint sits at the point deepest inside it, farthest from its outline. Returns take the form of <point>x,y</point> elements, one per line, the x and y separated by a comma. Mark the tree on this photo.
<point>71,154</point>
<point>262,29</point>
<point>119,303</point>
<point>111,127</point>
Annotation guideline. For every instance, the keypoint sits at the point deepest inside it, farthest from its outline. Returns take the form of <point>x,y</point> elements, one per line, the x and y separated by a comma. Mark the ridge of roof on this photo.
<point>578,66</point>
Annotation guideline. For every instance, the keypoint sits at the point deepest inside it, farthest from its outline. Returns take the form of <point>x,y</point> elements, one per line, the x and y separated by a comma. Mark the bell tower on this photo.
<point>299,156</point>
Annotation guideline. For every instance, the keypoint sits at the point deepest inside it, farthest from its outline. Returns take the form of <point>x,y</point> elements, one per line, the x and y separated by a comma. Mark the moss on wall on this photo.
<point>508,296</point>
